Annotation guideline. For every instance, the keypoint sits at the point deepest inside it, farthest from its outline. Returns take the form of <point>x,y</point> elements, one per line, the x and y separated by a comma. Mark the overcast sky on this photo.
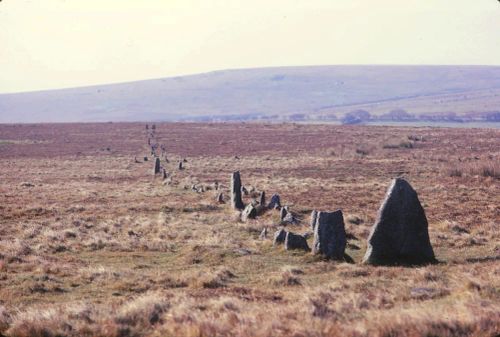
<point>47,44</point>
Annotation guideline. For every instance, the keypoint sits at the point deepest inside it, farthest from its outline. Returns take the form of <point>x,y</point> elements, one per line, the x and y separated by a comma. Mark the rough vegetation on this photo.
<point>92,245</point>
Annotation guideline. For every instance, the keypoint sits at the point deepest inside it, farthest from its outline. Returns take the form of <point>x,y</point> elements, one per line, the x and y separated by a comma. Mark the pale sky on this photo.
<point>46,44</point>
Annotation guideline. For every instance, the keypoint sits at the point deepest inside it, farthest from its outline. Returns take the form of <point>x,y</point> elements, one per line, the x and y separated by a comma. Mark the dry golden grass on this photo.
<point>92,245</point>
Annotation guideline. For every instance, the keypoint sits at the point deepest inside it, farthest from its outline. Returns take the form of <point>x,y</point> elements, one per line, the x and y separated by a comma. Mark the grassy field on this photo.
<point>92,244</point>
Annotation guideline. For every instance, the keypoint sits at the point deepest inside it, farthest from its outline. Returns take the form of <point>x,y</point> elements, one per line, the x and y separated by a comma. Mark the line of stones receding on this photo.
<point>399,236</point>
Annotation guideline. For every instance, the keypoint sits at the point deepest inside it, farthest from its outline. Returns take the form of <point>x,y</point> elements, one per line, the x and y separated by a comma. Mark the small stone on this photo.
<point>262,198</point>
<point>250,212</point>
<point>244,191</point>
<point>263,234</point>
<point>275,202</point>
<point>279,237</point>
<point>295,241</point>
<point>290,219</point>
<point>220,198</point>
<point>283,213</point>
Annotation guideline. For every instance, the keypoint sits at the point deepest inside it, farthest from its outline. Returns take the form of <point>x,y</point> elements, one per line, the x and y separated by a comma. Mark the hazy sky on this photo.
<point>48,44</point>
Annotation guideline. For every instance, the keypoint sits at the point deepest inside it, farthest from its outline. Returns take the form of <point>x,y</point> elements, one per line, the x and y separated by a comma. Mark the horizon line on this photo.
<point>242,69</point>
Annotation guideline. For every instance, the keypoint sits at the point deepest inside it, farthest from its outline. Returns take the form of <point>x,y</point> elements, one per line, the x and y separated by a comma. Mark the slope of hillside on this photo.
<point>271,93</point>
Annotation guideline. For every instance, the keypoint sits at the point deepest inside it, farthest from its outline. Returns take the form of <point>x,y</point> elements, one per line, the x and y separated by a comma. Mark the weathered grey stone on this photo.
<point>250,212</point>
<point>244,190</point>
<point>290,219</point>
<point>295,241</point>
<point>157,166</point>
<point>279,237</point>
<point>220,198</point>
<point>283,213</point>
<point>400,234</point>
<point>262,198</point>
<point>275,202</point>
<point>314,216</point>
<point>263,234</point>
<point>236,201</point>
<point>180,166</point>
<point>329,235</point>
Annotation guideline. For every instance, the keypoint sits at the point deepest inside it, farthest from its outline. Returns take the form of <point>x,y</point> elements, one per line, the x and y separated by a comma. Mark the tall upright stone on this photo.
<point>180,166</point>
<point>157,166</point>
<point>400,234</point>
<point>262,198</point>
<point>275,202</point>
<point>236,201</point>
<point>283,213</point>
<point>329,235</point>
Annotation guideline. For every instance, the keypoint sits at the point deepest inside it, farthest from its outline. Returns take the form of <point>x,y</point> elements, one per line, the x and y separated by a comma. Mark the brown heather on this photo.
<point>91,245</point>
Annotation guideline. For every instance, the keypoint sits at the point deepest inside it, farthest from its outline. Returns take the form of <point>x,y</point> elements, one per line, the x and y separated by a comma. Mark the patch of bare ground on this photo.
<point>91,244</point>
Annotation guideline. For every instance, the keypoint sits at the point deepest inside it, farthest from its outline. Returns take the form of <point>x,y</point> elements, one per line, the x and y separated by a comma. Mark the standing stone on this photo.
<point>314,216</point>
<point>263,234</point>
<point>400,234</point>
<point>236,201</point>
<point>262,198</point>
<point>165,174</point>
<point>290,218</point>
<point>244,190</point>
<point>279,237</point>
<point>157,166</point>
<point>275,202</point>
<point>283,213</point>
<point>329,235</point>
<point>180,166</point>
<point>295,241</point>
<point>250,212</point>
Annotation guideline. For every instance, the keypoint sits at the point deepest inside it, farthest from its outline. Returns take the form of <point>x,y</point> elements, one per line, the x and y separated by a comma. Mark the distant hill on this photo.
<point>292,93</point>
